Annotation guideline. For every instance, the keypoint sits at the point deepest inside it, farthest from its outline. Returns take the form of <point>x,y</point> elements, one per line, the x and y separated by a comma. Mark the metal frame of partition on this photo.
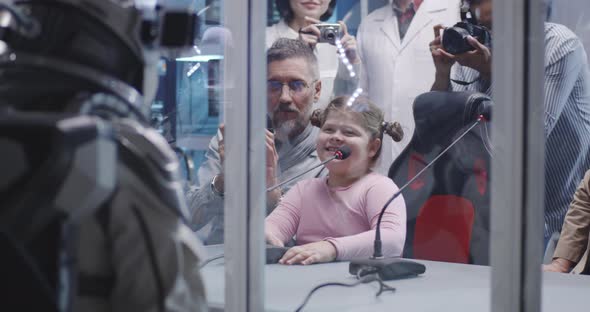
<point>245,199</point>
<point>518,165</point>
<point>517,168</point>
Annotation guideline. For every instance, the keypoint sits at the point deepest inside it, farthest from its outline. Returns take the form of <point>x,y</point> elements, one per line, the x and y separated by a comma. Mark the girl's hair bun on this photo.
<point>316,118</point>
<point>394,130</point>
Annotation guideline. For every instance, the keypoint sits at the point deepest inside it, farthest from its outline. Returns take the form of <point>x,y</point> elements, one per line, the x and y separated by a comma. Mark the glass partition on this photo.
<point>567,98</point>
<point>375,99</point>
<point>188,110</point>
<point>405,103</point>
<point>567,27</point>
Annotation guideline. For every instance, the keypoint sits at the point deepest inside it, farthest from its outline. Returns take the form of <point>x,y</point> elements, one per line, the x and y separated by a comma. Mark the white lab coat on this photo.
<point>394,71</point>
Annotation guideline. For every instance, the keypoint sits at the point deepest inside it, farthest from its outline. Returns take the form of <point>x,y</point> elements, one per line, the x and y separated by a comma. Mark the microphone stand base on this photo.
<point>386,268</point>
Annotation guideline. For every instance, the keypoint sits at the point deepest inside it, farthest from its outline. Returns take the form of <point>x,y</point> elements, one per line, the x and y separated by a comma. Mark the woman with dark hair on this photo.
<point>298,19</point>
<point>287,9</point>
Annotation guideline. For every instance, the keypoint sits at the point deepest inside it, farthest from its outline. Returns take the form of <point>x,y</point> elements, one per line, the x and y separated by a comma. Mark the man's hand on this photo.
<point>349,45</point>
<point>321,251</point>
<point>480,59</point>
<point>560,265</point>
<point>221,144</point>
<point>272,159</point>
<point>219,183</point>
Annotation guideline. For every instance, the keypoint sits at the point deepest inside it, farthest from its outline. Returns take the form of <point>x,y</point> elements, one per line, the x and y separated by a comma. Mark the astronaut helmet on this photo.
<point>57,48</point>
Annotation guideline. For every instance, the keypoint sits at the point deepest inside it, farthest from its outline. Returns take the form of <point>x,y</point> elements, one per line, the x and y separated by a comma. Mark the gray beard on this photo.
<point>285,129</point>
<point>293,127</point>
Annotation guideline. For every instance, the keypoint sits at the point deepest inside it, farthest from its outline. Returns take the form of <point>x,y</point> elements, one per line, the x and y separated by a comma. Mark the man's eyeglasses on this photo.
<point>296,87</point>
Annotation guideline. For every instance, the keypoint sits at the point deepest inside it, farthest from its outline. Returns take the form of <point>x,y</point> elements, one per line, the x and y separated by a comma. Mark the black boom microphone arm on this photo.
<point>394,267</point>
<point>341,154</point>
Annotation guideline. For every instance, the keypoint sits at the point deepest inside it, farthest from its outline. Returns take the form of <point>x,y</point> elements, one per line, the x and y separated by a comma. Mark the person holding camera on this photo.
<point>460,46</point>
<point>397,67</point>
<point>303,19</point>
<point>567,99</point>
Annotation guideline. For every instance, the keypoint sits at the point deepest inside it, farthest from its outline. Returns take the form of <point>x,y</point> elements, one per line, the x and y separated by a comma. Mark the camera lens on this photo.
<point>330,35</point>
<point>455,40</point>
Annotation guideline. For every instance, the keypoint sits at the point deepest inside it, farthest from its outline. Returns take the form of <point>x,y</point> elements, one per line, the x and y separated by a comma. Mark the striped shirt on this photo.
<point>567,118</point>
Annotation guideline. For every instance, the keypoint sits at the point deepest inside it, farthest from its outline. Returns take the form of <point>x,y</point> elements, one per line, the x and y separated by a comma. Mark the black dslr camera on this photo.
<point>454,38</point>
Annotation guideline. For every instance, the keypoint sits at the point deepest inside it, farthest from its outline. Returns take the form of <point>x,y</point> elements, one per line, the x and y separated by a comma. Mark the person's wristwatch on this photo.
<point>214,189</point>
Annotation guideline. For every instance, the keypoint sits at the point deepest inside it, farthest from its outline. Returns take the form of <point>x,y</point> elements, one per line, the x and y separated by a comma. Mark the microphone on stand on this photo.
<point>342,153</point>
<point>391,268</point>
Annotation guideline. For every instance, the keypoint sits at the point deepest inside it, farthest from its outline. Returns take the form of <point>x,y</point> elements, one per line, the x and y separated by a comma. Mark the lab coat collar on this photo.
<point>389,26</point>
<point>422,19</point>
<point>387,21</point>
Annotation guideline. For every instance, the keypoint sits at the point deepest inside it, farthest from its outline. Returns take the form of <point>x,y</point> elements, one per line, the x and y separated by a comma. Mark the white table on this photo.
<point>444,287</point>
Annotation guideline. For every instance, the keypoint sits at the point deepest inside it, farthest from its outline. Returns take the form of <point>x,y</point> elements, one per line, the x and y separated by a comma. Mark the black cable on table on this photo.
<point>362,280</point>
<point>210,260</point>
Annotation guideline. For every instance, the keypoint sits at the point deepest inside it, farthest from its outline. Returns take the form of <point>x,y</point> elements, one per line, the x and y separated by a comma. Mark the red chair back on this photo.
<point>443,229</point>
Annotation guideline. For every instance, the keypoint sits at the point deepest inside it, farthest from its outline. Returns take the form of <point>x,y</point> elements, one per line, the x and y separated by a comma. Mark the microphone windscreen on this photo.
<point>343,152</point>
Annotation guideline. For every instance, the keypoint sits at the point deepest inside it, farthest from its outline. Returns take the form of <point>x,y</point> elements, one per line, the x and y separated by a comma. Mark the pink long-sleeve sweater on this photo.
<point>345,216</point>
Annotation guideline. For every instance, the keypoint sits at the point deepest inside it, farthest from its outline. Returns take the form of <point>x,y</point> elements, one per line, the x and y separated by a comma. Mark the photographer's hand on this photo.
<point>310,33</point>
<point>480,59</point>
<point>349,44</point>
<point>443,61</point>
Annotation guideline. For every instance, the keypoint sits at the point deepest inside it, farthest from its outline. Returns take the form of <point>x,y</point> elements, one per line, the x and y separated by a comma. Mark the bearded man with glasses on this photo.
<point>293,87</point>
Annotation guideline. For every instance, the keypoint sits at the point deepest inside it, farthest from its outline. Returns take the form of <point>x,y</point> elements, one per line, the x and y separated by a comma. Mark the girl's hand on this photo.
<point>321,251</point>
<point>349,45</point>
<point>273,240</point>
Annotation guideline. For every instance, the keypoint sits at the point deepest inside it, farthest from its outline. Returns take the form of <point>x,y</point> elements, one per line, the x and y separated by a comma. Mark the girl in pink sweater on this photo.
<point>334,217</point>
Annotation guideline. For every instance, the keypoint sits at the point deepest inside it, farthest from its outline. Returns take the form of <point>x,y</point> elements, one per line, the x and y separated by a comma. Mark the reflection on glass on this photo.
<point>331,212</point>
<point>334,217</point>
<point>188,110</point>
<point>567,87</point>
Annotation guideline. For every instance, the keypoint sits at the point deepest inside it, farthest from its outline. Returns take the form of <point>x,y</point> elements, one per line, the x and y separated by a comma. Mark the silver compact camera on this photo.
<point>328,33</point>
